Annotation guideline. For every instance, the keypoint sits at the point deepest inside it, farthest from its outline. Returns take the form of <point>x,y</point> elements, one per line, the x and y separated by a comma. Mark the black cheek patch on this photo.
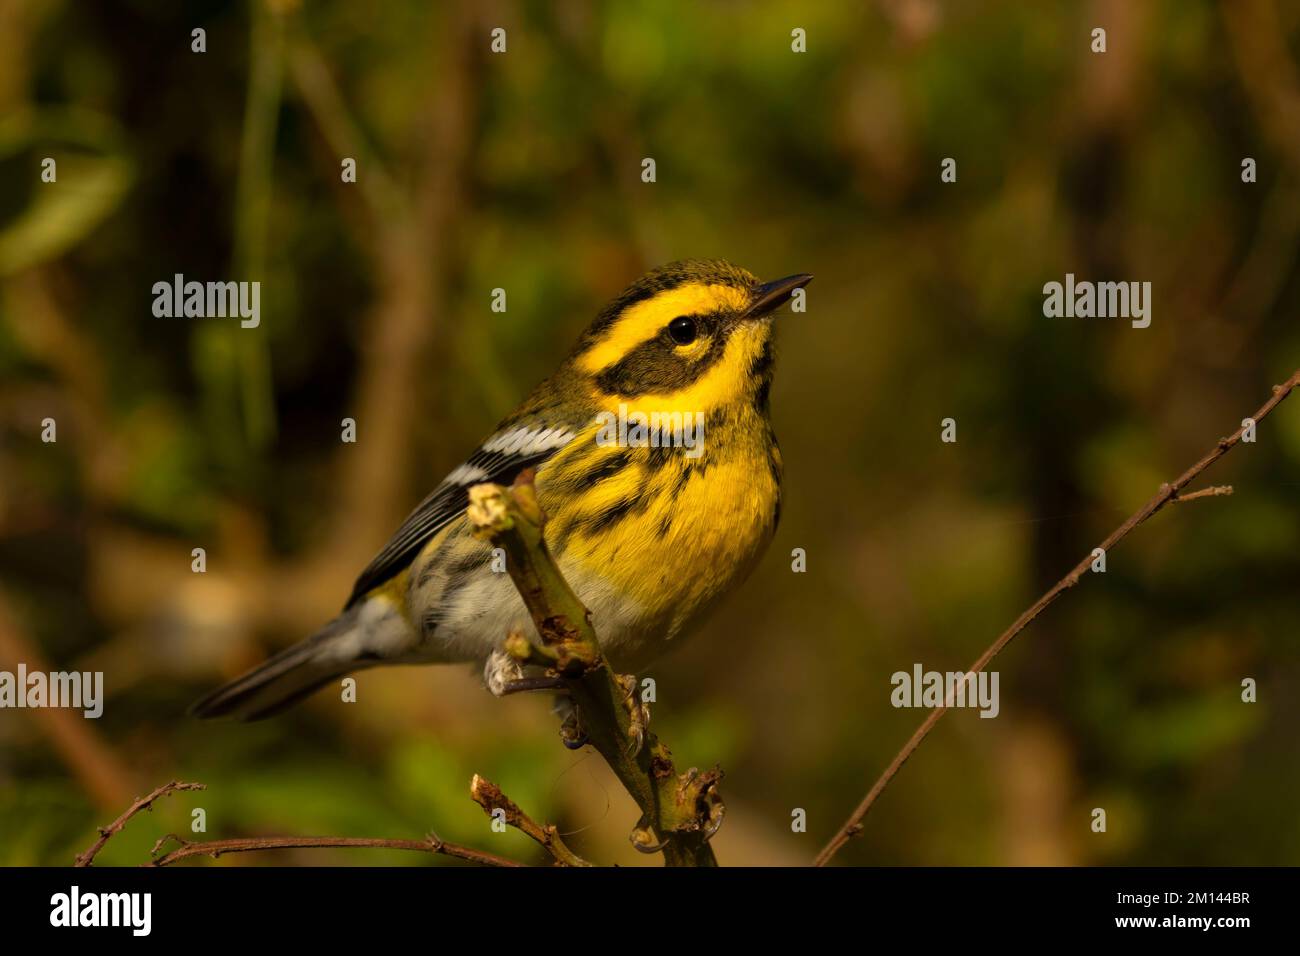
<point>654,366</point>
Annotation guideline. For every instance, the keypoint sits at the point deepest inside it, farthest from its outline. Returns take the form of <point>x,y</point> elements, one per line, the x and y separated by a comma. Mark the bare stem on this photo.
<point>1211,492</point>
<point>215,848</point>
<point>1168,493</point>
<point>141,804</point>
<point>490,797</point>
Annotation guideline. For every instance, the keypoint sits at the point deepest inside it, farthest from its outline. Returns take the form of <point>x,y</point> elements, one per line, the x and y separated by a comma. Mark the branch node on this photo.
<point>1214,491</point>
<point>487,512</point>
<point>491,798</point>
<point>141,804</point>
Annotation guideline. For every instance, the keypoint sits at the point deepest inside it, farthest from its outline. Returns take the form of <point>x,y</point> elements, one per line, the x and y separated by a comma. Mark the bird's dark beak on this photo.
<point>770,296</point>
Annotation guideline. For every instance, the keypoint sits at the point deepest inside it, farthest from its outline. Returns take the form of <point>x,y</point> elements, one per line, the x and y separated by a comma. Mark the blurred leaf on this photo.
<point>89,184</point>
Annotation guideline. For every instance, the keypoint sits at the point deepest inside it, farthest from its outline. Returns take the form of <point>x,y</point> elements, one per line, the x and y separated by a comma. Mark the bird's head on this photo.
<point>691,335</point>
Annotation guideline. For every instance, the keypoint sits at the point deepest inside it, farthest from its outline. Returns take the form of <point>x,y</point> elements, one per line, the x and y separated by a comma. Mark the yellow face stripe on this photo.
<point>645,320</point>
<point>727,381</point>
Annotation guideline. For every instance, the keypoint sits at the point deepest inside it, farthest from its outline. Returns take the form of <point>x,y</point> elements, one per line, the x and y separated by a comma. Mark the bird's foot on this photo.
<point>505,675</point>
<point>499,671</point>
<point>572,734</point>
<point>638,712</point>
<point>643,838</point>
<point>711,809</point>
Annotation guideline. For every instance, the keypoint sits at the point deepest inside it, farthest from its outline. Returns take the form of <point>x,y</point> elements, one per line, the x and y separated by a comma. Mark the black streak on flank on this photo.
<point>610,516</point>
<point>429,623</point>
<point>658,456</point>
<point>683,477</point>
<point>470,562</point>
<point>608,468</point>
<point>455,570</point>
<point>459,574</point>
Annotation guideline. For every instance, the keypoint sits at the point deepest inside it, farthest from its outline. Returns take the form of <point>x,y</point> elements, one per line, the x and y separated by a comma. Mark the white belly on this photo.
<point>476,619</point>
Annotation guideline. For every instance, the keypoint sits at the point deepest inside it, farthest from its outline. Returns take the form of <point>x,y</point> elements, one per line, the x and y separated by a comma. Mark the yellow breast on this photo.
<point>670,532</point>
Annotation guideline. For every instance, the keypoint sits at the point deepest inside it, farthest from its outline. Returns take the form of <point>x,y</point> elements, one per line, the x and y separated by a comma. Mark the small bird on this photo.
<point>649,532</point>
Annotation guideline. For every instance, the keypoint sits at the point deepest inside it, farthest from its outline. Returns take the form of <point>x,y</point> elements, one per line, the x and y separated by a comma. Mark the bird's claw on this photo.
<point>637,742</point>
<point>644,840</point>
<point>717,810</point>
<point>638,714</point>
<point>572,734</point>
<point>710,810</point>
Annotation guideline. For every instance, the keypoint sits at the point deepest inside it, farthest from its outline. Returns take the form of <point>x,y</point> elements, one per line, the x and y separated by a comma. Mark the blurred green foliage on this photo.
<point>522,171</point>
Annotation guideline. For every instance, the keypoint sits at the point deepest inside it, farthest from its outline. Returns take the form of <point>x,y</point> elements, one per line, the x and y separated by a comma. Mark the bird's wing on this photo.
<point>498,460</point>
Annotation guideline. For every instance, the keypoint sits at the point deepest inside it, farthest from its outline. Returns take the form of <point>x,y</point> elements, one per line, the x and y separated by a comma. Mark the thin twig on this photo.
<point>1167,493</point>
<point>491,798</point>
<point>141,804</point>
<point>215,848</point>
<point>1211,492</point>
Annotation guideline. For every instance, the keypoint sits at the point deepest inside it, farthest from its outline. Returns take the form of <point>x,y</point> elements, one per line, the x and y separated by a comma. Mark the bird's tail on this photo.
<point>289,676</point>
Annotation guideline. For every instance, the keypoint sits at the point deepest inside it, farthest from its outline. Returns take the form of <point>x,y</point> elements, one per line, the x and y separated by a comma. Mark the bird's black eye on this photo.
<point>682,329</point>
